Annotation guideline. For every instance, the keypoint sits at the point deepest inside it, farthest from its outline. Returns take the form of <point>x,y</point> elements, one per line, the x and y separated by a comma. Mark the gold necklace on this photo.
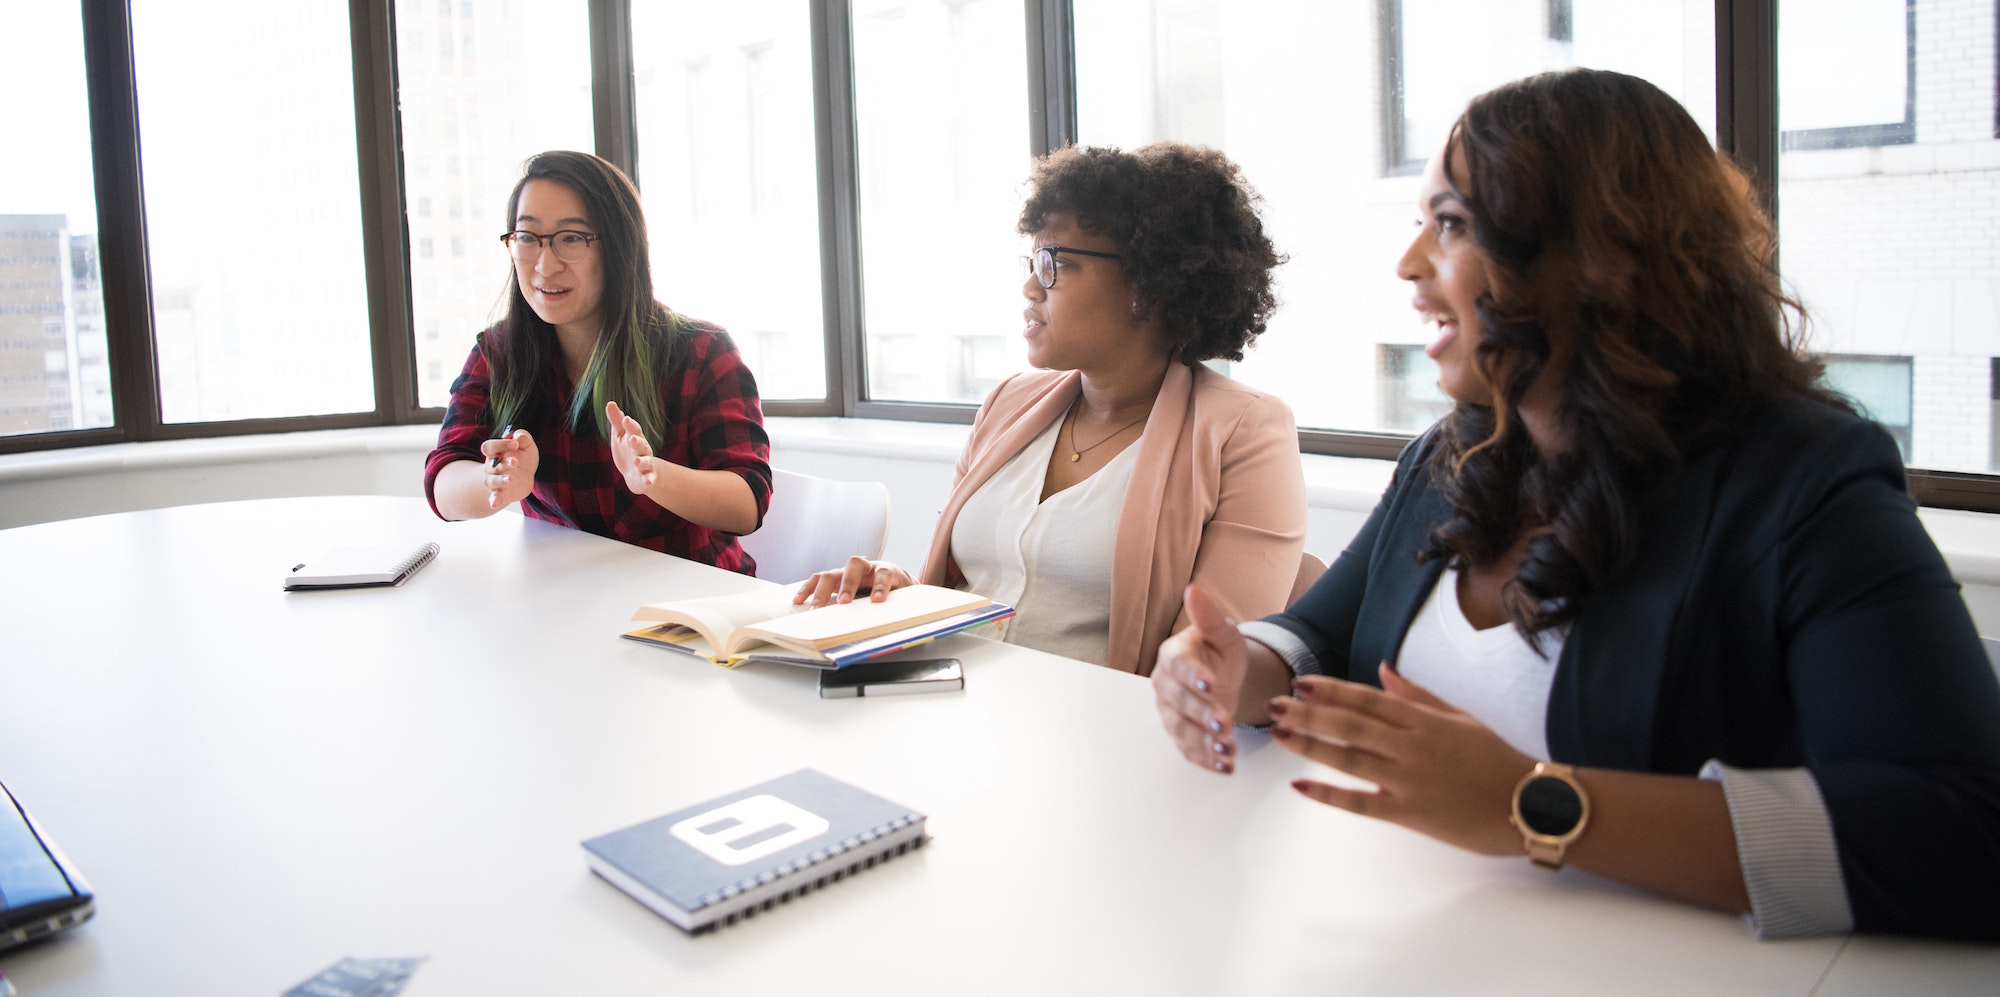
<point>1075,454</point>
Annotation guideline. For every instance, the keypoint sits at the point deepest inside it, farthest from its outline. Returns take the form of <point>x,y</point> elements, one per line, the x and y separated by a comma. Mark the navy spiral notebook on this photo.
<point>732,856</point>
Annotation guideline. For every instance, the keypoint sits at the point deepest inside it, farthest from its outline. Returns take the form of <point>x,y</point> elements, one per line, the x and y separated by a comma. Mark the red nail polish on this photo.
<point>1300,785</point>
<point>1281,732</point>
<point>1278,708</point>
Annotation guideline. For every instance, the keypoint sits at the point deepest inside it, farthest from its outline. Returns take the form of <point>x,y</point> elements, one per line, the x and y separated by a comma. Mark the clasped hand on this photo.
<point>1436,770</point>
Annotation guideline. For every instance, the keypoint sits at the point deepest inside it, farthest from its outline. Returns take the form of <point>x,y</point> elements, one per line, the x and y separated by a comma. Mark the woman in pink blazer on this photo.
<point>1094,489</point>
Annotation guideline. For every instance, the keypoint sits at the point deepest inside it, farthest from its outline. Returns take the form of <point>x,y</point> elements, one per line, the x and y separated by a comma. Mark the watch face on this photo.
<point>1550,806</point>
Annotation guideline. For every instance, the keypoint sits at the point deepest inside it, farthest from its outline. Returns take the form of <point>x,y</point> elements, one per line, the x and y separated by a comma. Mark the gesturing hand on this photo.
<point>1196,681</point>
<point>511,461</point>
<point>1439,771</point>
<point>630,451</point>
<point>859,575</point>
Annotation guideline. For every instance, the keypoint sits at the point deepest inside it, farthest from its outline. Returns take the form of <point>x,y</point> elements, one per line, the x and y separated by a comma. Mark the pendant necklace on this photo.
<point>1075,454</point>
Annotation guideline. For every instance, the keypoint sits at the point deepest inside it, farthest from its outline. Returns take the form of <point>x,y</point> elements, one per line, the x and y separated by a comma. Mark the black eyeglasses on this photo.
<point>569,244</point>
<point>1043,263</point>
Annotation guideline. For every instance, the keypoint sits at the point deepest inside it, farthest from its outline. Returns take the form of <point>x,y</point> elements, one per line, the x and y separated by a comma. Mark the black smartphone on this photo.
<point>892,678</point>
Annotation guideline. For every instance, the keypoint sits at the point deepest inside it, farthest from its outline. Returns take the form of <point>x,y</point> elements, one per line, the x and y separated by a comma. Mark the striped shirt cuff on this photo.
<point>1286,644</point>
<point>1784,840</point>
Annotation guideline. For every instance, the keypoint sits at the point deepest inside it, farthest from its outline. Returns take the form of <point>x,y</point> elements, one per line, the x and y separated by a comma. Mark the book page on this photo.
<point>718,616</point>
<point>830,626</point>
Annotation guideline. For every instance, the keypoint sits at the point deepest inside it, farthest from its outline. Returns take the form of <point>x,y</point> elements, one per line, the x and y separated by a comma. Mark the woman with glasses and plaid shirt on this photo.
<point>1093,490</point>
<point>614,414</point>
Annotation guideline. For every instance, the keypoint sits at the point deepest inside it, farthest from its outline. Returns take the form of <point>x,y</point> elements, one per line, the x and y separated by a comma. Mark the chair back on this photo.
<point>817,523</point>
<point>1992,653</point>
<point>1310,568</point>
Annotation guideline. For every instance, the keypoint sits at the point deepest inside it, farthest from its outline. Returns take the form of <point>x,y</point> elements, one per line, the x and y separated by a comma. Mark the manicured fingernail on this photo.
<point>1220,748</point>
<point>1201,684</point>
<point>1298,688</point>
<point>1223,767</point>
<point>1278,707</point>
<point>1300,785</point>
<point>1215,725</point>
<point>1281,732</point>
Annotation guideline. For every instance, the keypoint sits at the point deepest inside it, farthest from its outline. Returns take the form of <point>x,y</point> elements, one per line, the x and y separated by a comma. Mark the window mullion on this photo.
<point>839,205</point>
<point>611,84</point>
<point>1746,91</point>
<point>383,238</point>
<point>114,140</point>
<point>1051,50</point>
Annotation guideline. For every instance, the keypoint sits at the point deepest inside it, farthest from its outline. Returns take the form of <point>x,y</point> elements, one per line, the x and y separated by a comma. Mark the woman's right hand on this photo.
<point>877,578</point>
<point>511,461</point>
<point>1197,680</point>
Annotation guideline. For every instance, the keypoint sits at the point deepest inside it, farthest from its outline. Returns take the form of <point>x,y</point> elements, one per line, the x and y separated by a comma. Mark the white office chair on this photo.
<point>817,523</point>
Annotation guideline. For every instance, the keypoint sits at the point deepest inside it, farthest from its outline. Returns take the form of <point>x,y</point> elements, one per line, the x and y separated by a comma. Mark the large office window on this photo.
<point>302,233</point>
<point>259,299</point>
<point>1317,102</point>
<point>484,84</point>
<point>53,371</point>
<point>1887,234</point>
<point>942,130</point>
<point>724,106</point>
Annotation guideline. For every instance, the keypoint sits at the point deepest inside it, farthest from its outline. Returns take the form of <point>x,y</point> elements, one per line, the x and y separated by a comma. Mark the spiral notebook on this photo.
<point>728,858</point>
<point>358,567</point>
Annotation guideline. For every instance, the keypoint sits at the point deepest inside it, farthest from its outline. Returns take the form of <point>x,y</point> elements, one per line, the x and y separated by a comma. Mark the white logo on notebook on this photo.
<point>749,829</point>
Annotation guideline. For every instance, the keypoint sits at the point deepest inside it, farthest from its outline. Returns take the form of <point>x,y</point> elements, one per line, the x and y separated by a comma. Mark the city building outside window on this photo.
<point>1887,236</point>
<point>942,126</point>
<point>723,100</point>
<point>481,111</point>
<point>1880,387</point>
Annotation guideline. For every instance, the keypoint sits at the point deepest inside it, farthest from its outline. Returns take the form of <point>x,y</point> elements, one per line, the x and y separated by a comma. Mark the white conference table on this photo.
<point>259,783</point>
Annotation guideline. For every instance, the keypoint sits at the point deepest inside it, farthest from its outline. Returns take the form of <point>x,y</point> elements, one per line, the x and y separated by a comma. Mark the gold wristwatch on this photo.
<point>1551,809</point>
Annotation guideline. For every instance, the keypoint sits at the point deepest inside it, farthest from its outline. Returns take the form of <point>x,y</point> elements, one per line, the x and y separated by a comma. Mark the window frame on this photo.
<point>1746,128</point>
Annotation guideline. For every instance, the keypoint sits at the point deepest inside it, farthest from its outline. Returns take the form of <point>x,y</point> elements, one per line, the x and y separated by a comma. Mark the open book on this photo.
<point>765,626</point>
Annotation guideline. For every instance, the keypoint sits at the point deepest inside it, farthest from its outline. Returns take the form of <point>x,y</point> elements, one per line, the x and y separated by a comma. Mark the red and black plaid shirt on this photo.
<point>714,423</point>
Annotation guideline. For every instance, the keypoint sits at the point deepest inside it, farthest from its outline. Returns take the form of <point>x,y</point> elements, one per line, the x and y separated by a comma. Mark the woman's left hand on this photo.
<point>1440,772</point>
<point>630,451</point>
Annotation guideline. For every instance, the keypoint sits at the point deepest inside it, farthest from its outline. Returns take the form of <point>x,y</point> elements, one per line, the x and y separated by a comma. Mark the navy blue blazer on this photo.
<point>1786,609</point>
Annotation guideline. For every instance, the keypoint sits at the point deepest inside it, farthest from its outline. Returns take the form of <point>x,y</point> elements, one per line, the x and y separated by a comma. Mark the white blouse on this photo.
<point>1050,560</point>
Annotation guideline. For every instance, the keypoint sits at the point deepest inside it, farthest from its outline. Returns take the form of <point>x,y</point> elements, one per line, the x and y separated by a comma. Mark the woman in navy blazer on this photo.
<point>1756,676</point>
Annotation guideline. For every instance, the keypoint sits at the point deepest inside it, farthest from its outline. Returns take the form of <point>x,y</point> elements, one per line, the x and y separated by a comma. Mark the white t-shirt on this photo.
<point>1493,674</point>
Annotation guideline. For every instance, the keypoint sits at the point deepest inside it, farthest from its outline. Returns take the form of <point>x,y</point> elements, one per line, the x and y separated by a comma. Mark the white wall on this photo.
<point>914,459</point>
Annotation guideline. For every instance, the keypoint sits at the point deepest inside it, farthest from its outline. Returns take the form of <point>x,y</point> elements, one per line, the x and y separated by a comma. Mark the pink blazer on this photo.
<point>1217,496</point>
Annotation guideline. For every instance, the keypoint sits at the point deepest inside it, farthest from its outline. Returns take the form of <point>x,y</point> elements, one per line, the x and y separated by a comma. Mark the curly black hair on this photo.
<point>1188,237</point>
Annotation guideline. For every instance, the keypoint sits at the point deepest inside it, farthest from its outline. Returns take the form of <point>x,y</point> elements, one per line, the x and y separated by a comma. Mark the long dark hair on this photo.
<point>635,347</point>
<point>1630,253</point>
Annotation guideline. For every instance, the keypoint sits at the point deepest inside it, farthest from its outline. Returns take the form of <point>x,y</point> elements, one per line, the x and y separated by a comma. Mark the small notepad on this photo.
<point>357,567</point>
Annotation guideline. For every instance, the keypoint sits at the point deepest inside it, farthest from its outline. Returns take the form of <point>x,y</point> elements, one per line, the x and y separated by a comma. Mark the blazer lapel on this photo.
<point>1136,547</point>
<point>1399,590</point>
